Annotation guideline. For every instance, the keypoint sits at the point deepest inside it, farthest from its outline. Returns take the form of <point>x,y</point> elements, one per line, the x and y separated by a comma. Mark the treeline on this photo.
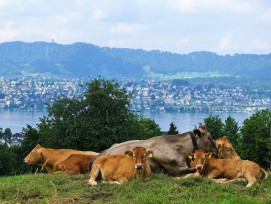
<point>101,117</point>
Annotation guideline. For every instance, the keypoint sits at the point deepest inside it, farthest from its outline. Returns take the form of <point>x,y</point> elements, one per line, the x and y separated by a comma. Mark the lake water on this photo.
<point>187,121</point>
<point>16,120</point>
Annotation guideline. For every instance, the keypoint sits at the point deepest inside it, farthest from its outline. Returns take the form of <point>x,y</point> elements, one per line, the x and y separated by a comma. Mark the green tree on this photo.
<point>8,133</point>
<point>214,125</point>
<point>172,129</point>
<point>7,160</point>
<point>256,139</point>
<point>231,130</point>
<point>95,120</point>
<point>31,139</point>
<point>1,132</point>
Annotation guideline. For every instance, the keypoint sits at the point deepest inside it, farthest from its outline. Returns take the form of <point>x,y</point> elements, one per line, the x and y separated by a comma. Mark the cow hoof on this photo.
<point>114,182</point>
<point>93,183</point>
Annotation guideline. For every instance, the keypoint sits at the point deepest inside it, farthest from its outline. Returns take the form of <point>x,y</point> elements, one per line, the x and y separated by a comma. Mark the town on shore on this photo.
<point>35,93</point>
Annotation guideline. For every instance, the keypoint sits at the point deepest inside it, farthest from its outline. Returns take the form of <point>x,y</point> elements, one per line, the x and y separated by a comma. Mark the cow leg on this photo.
<point>48,168</point>
<point>186,170</point>
<point>222,180</point>
<point>114,182</point>
<point>213,174</point>
<point>95,170</point>
<point>123,180</point>
<point>250,178</point>
<point>119,179</point>
<point>58,172</point>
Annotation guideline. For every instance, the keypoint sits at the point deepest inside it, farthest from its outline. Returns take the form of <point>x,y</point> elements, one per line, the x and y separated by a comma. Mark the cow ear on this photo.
<point>128,153</point>
<point>150,153</point>
<point>197,133</point>
<point>190,155</point>
<point>208,155</point>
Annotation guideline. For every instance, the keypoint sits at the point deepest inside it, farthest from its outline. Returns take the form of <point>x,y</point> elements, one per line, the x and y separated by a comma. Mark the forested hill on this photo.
<point>82,59</point>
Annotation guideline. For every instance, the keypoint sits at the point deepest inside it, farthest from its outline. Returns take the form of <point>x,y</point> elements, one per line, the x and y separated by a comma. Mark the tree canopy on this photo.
<point>214,125</point>
<point>172,129</point>
<point>256,138</point>
<point>95,120</point>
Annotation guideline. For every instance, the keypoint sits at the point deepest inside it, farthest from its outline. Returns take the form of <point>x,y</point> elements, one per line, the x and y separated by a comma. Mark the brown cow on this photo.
<point>47,158</point>
<point>121,168</point>
<point>225,149</point>
<point>74,164</point>
<point>213,168</point>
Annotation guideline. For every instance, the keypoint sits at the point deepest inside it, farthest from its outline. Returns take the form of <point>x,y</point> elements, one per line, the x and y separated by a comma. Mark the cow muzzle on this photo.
<point>138,166</point>
<point>199,167</point>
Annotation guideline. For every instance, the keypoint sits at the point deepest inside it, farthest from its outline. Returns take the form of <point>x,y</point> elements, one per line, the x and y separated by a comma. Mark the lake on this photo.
<point>16,120</point>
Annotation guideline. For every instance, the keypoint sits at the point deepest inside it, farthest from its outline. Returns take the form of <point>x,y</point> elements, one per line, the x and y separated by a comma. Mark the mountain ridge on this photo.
<point>84,59</point>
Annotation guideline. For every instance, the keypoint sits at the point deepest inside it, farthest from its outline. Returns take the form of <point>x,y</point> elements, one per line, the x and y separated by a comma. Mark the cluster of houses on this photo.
<point>36,93</point>
<point>15,139</point>
<point>165,96</point>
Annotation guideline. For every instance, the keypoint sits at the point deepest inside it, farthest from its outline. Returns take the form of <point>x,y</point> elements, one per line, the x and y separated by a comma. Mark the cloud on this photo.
<point>99,14</point>
<point>199,6</point>
<point>184,40</point>
<point>266,17</point>
<point>260,45</point>
<point>226,42</point>
<point>225,26</point>
<point>125,28</point>
<point>8,32</point>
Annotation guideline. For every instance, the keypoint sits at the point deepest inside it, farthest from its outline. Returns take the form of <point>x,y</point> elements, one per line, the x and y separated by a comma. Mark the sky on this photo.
<point>178,26</point>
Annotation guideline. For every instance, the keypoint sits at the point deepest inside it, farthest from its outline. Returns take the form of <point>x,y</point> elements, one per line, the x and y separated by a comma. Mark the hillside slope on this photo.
<point>82,59</point>
<point>161,188</point>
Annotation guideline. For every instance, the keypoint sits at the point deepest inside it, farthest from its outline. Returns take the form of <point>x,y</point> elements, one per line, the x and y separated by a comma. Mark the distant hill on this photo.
<point>82,59</point>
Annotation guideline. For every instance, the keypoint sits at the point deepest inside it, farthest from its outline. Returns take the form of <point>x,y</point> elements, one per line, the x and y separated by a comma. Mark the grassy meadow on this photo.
<point>161,188</point>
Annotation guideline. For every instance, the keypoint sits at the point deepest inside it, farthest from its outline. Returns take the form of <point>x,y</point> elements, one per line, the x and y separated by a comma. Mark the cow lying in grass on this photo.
<point>47,158</point>
<point>121,168</point>
<point>173,149</point>
<point>74,164</point>
<point>230,169</point>
<point>225,149</point>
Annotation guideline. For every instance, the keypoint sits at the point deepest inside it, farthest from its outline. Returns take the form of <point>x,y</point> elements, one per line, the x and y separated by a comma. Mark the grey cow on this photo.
<point>170,151</point>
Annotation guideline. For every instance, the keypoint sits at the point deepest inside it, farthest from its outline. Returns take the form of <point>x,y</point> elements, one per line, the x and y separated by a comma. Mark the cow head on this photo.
<point>199,157</point>
<point>35,156</point>
<point>204,140</point>
<point>225,149</point>
<point>139,155</point>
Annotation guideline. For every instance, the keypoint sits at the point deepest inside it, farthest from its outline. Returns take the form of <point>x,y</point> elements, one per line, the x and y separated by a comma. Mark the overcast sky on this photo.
<point>180,26</point>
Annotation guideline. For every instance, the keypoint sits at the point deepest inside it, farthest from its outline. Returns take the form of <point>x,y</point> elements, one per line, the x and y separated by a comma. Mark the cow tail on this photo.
<point>91,162</point>
<point>263,175</point>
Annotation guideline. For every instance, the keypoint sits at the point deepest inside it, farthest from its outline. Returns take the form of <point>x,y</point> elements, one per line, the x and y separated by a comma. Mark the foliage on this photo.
<point>256,138</point>
<point>172,129</point>
<point>214,125</point>
<point>8,134</point>
<point>7,160</point>
<point>231,130</point>
<point>160,188</point>
<point>93,121</point>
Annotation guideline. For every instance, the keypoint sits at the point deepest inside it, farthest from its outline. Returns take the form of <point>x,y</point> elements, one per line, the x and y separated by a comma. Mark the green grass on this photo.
<point>48,188</point>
